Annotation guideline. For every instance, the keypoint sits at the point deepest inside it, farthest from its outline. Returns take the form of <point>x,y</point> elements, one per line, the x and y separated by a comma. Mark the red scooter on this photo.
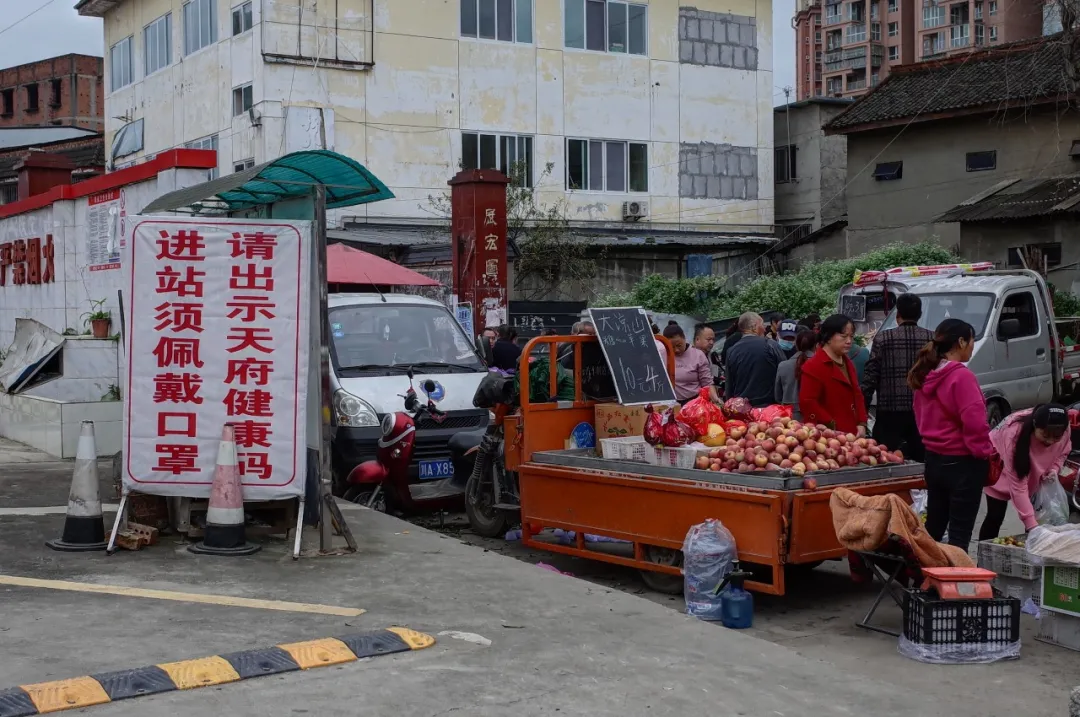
<point>383,483</point>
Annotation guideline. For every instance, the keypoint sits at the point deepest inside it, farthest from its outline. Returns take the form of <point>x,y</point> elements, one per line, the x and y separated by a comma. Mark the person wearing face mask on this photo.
<point>786,391</point>
<point>1032,445</point>
<point>786,337</point>
<point>828,383</point>
<point>950,413</point>
<point>692,372</point>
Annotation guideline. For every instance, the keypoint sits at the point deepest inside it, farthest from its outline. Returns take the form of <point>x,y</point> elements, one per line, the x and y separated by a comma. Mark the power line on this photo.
<point>27,16</point>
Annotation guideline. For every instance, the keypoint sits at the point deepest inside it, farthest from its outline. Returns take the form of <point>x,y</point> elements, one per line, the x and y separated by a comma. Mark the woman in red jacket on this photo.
<point>829,391</point>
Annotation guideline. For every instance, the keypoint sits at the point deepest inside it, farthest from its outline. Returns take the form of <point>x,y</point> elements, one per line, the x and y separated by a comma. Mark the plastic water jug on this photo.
<point>736,604</point>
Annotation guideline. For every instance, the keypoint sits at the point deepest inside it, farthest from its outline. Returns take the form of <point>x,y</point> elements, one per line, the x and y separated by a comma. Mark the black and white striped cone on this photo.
<point>225,517</point>
<point>84,527</point>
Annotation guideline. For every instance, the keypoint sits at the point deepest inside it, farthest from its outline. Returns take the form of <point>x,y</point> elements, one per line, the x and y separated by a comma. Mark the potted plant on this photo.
<point>99,319</point>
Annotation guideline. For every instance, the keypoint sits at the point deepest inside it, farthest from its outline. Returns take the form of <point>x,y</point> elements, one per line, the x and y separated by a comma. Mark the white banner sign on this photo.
<point>217,333</point>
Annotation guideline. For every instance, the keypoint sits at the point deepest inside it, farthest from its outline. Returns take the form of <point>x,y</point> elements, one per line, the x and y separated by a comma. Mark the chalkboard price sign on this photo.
<point>629,347</point>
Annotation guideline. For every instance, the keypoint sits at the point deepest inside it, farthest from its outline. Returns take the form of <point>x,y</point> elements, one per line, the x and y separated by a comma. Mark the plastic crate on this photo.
<point>682,457</point>
<point>1008,560</point>
<point>1058,629</point>
<point>929,620</point>
<point>626,448</point>
<point>1018,588</point>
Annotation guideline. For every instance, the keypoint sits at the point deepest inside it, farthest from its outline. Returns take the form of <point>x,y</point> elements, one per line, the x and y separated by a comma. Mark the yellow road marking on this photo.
<point>317,653</point>
<point>202,672</point>
<point>225,600</point>
<point>66,694</point>
<point>415,640</point>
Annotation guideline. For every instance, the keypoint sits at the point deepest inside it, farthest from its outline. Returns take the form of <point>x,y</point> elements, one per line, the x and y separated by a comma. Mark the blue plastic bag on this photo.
<point>708,556</point>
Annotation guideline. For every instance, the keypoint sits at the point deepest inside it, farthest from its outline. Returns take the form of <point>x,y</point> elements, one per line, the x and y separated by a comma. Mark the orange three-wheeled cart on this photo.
<point>775,522</point>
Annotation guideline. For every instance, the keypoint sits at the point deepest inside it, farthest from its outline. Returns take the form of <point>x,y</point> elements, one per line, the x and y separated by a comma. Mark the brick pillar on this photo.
<point>478,241</point>
<point>40,171</point>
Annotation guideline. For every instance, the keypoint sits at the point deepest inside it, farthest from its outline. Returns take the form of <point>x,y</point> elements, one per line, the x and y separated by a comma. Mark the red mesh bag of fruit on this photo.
<point>771,413</point>
<point>654,426</point>
<point>699,412</point>
<point>738,408</point>
<point>676,433</point>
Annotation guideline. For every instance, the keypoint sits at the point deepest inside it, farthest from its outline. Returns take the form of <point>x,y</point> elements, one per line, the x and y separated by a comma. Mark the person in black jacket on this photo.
<point>505,353</point>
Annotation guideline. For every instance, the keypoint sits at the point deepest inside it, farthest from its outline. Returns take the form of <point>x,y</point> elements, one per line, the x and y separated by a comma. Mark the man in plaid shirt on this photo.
<point>891,357</point>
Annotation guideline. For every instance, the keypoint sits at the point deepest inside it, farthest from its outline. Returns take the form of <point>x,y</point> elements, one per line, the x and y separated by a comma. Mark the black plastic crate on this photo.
<point>929,620</point>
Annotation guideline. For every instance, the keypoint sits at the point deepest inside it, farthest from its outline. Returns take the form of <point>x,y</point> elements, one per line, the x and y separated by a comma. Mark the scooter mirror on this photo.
<point>410,374</point>
<point>429,386</point>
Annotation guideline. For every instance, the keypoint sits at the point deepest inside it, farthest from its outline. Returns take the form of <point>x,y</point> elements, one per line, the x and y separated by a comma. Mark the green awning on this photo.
<point>347,183</point>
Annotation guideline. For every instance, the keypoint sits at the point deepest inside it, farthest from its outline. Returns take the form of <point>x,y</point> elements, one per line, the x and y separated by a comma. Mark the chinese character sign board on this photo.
<point>105,224</point>
<point>626,338</point>
<point>218,332</point>
<point>478,207</point>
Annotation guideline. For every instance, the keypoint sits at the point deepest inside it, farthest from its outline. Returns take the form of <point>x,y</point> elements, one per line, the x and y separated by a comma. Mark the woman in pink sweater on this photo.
<point>1032,446</point>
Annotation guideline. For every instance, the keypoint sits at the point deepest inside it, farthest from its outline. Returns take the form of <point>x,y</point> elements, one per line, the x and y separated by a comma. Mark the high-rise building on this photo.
<point>844,48</point>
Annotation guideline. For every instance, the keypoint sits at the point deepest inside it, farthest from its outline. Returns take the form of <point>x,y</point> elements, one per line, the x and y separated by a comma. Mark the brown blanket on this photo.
<point>865,523</point>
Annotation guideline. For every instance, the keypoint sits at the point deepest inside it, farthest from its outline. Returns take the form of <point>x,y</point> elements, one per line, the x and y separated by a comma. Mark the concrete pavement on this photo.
<point>557,644</point>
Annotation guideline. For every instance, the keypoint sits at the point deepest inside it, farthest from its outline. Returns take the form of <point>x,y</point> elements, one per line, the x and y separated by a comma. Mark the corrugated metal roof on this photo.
<point>1021,72</point>
<point>13,137</point>
<point>1020,199</point>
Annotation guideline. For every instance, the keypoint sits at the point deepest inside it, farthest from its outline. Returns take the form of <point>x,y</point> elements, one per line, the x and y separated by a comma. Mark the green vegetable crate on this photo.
<point>1061,589</point>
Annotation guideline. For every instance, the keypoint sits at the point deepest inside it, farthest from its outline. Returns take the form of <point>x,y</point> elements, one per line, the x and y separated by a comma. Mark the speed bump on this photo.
<point>78,692</point>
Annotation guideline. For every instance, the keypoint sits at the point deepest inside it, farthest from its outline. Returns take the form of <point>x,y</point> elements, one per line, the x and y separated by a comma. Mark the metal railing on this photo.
<point>856,85</point>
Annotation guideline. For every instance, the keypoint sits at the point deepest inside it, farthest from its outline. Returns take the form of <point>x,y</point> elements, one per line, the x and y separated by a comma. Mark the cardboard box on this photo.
<point>1061,589</point>
<point>613,420</point>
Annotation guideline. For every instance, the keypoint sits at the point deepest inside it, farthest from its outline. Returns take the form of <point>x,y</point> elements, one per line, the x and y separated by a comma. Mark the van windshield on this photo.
<point>972,308</point>
<point>384,338</point>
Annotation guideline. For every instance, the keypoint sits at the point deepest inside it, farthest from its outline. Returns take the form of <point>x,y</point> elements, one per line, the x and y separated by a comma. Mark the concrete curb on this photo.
<point>79,692</point>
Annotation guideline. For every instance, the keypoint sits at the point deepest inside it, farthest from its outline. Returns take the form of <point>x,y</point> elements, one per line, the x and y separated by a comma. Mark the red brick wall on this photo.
<point>79,103</point>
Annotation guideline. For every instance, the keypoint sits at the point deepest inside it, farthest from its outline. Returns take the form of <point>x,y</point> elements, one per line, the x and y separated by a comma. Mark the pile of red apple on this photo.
<point>787,445</point>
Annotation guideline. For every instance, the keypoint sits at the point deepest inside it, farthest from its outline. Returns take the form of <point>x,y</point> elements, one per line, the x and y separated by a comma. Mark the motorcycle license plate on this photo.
<point>433,470</point>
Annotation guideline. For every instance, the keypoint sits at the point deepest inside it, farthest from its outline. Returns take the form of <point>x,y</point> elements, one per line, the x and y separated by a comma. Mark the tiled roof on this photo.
<point>1017,73</point>
<point>1020,199</point>
<point>83,153</point>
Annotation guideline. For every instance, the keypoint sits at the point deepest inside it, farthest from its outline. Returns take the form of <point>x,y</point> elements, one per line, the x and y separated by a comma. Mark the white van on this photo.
<point>374,340</point>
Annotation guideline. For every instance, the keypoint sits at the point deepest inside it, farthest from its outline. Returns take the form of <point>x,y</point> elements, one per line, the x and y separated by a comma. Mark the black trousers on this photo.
<point>995,516</point>
<point>954,489</point>
<point>897,430</point>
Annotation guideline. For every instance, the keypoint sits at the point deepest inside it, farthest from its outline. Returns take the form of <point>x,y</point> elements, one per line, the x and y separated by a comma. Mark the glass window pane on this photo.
<point>247,20</point>
<point>594,25</point>
<point>638,30</point>
<point>237,21</point>
<point>616,167</point>
<point>639,168</point>
<point>506,164</point>
<point>470,151</point>
<point>576,164</point>
<point>468,18</point>
<point>526,159</point>
<point>596,166</point>
<point>616,27</point>
<point>574,23</point>
<point>487,19</point>
<point>505,17</point>
<point>488,158</point>
<point>523,18</point>
<point>211,21</point>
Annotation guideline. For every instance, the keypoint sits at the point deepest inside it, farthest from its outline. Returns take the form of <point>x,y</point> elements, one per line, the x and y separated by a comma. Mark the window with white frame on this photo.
<point>894,29</point>
<point>785,163</point>
<point>607,166</point>
<point>157,44</point>
<point>503,20</point>
<point>606,26</point>
<point>993,33</point>
<point>894,5</point>
<point>243,164</point>
<point>210,142</point>
<point>993,7</point>
<point>511,154</point>
<point>200,25</point>
<point>241,18</point>
<point>241,99</point>
<point>894,53</point>
<point>120,64</point>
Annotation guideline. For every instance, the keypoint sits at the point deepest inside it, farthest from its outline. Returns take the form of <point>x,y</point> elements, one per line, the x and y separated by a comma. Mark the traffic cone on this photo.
<point>225,517</point>
<point>84,527</point>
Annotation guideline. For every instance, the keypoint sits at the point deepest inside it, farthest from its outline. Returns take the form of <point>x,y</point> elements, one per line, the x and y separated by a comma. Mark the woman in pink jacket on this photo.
<point>1032,446</point>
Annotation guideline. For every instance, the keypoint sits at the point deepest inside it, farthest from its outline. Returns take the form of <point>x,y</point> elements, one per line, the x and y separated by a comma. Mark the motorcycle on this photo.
<point>383,483</point>
<point>492,500</point>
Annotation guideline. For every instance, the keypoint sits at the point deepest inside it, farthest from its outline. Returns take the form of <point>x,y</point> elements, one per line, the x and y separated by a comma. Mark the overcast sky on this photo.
<point>54,28</point>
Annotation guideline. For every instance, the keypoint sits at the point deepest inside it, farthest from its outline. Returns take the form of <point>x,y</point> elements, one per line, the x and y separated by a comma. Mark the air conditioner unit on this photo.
<point>635,210</point>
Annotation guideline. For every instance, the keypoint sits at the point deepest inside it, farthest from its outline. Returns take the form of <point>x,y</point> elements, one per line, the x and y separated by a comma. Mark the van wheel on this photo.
<point>995,413</point>
<point>662,582</point>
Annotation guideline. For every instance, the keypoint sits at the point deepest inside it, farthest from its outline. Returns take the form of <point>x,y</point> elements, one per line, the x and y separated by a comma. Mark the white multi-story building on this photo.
<point>606,101</point>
